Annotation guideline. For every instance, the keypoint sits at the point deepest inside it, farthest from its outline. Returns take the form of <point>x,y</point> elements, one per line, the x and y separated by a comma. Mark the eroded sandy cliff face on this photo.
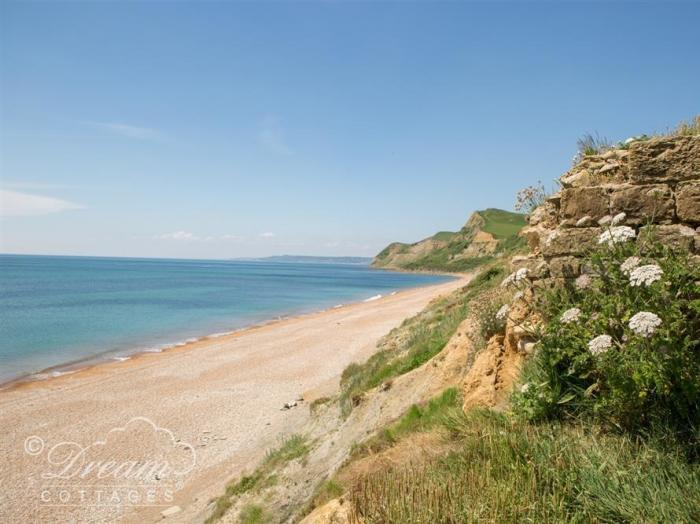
<point>655,183</point>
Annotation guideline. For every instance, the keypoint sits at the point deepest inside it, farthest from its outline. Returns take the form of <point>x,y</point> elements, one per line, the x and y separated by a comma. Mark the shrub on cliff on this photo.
<point>621,344</point>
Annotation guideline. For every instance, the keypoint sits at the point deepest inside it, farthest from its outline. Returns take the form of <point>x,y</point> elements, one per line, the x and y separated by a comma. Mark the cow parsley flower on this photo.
<point>618,219</point>
<point>644,323</point>
<point>583,282</point>
<point>645,275</point>
<point>570,315</point>
<point>628,265</point>
<point>502,313</point>
<point>600,344</point>
<point>617,235</point>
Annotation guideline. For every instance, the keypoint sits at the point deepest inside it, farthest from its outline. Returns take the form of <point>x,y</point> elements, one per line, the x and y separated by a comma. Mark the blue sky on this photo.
<point>216,130</point>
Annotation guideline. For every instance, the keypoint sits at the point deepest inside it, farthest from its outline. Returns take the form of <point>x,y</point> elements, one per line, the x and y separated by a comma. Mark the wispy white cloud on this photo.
<point>271,136</point>
<point>15,203</point>
<point>185,236</point>
<point>129,131</point>
<point>267,234</point>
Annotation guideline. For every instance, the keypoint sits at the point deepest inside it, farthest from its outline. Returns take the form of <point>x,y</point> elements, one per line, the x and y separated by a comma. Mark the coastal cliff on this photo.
<point>483,237</point>
<point>564,372</point>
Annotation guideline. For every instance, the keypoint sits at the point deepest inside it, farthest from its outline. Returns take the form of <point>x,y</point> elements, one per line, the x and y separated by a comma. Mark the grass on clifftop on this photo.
<point>502,224</point>
<point>506,471</point>
<point>448,256</point>
<point>416,341</point>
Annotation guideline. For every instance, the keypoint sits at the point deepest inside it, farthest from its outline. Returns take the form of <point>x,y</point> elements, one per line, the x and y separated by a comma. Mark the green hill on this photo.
<point>486,234</point>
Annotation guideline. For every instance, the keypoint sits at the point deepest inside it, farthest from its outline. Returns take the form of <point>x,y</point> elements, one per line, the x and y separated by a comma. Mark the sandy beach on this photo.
<point>72,446</point>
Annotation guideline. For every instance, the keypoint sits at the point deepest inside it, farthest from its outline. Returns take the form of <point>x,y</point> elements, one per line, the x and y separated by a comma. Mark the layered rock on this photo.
<point>655,182</point>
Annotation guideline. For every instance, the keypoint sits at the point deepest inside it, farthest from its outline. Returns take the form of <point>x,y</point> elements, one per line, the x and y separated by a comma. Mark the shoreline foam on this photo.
<point>231,387</point>
<point>122,355</point>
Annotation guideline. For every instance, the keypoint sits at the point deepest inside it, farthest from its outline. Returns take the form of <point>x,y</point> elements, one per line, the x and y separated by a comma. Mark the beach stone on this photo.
<point>665,159</point>
<point>570,241</point>
<point>290,405</point>
<point>643,203</point>
<point>688,201</point>
<point>579,202</point>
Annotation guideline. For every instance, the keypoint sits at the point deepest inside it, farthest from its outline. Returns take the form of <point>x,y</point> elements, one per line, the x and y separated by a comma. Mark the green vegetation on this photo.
<point>326,491</point>
<point>418,418</point>
<point>444,236</point>
<point>446,249</point>
<point>510,471</point>
<point>315,404</point>
<point>691,127</point>
<point>606,425</point>
<point>502,224</point>
<point>416,341</point>
<point>292,448</point>
<point>252,515</point>
<point>439,260</point>
<point>624,349</point>
<point>592,145</point>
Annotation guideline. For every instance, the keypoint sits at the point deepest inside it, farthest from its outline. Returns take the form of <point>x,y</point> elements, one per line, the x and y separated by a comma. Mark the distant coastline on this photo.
<point>306,259</point>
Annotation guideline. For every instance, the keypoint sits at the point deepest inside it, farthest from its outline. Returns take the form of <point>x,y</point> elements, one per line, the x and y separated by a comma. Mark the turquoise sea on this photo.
<point>57,310</point>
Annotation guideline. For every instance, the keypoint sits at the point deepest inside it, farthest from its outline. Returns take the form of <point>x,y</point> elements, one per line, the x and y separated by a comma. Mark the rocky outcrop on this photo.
<point>655,183</point>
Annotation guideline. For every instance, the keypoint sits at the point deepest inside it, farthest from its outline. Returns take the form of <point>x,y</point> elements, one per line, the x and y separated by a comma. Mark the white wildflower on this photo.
<point>502,313</point>
<point>570,315</point>
<point>645,275</point>
<point>629,264</point>
<point>605,220</point>
<point>644,323</point>
<point>618,219</point>
<point>583,282</point>
<point>524,388</point>
<point>617,235</point>
<point>600,344</point>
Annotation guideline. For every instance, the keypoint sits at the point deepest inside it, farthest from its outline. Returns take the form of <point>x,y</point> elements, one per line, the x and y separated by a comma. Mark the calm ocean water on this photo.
<point>55,310</point>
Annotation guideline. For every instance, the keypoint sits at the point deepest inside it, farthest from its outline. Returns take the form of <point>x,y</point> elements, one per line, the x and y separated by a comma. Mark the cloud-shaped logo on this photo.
<point>139,452</point>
